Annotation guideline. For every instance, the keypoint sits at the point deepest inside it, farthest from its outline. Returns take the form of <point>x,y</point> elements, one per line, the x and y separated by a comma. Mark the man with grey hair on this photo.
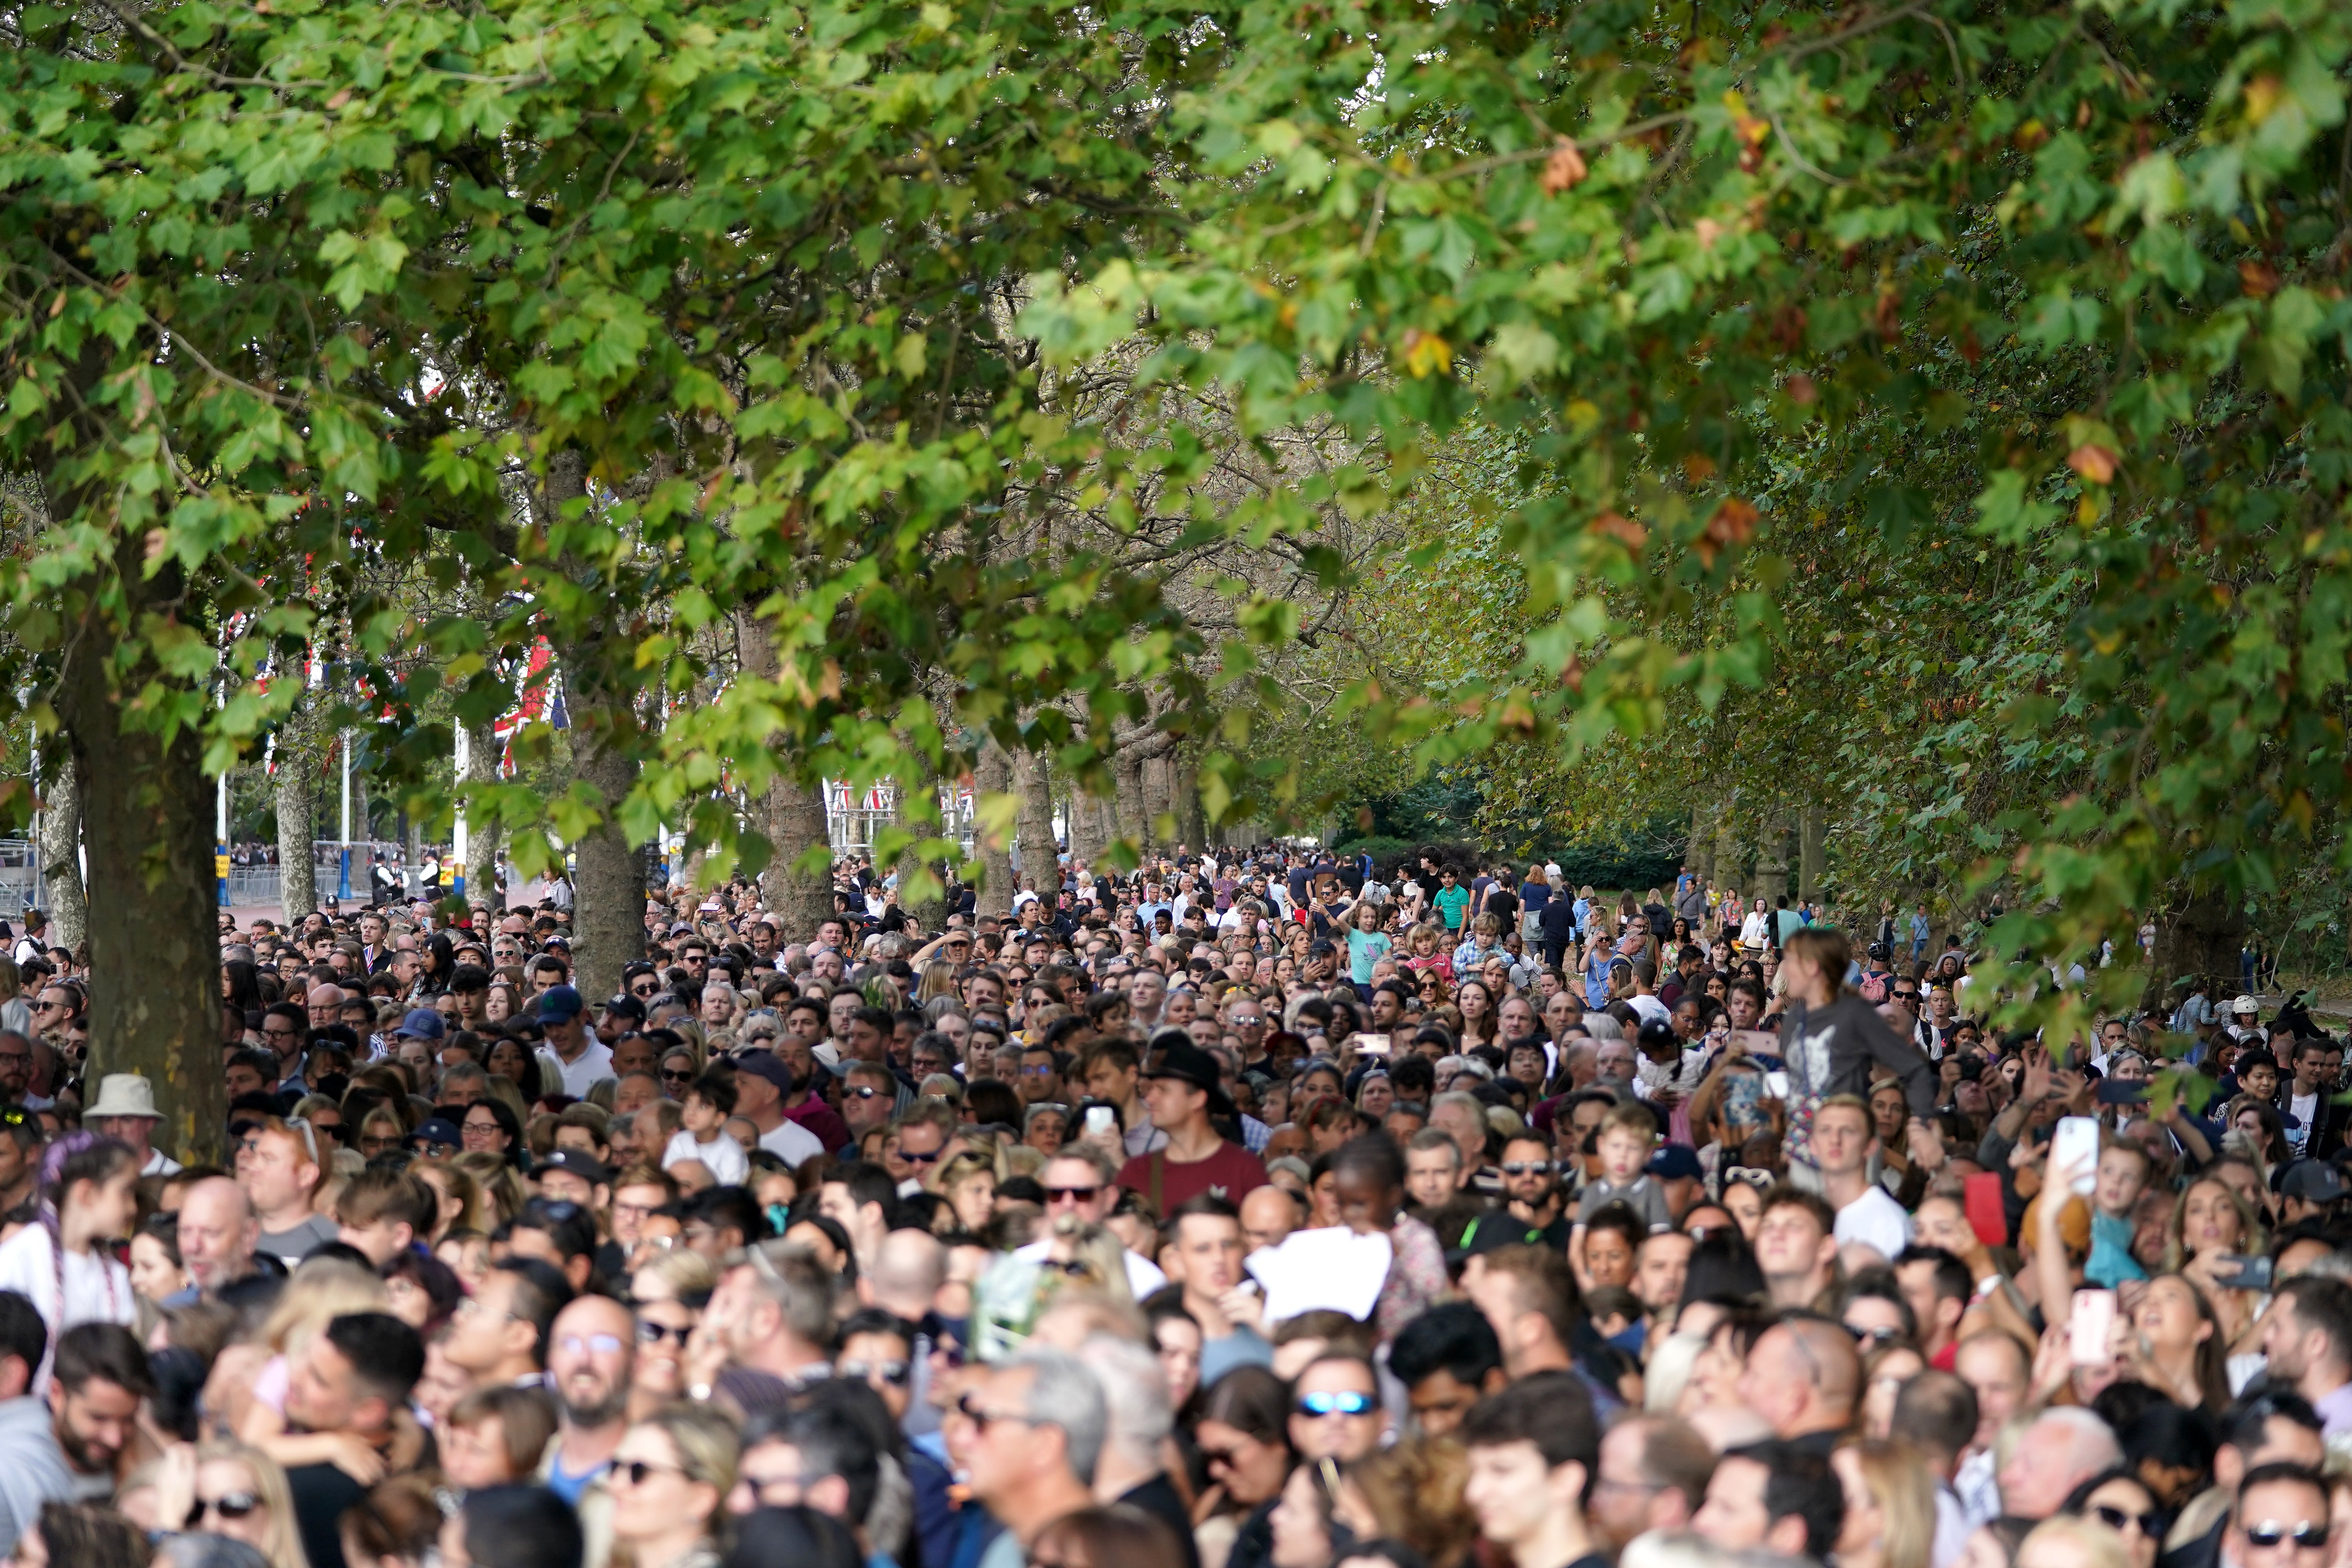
<point>218,1235</point>
<point>773,1314</point>
<point>2064,1446</point>
<point>1462,1117</point>
<point>1135,1403</point>
<point>1029,1435</point>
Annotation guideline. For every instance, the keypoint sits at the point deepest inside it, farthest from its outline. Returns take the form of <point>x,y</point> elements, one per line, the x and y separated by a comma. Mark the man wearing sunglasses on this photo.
<point>1335,1412</point>
<point>1028,1434</point>
<point>1081,1181</point>
<point>592,1355</point>
<point>1532,1213</point>
<point>2281,1519</point>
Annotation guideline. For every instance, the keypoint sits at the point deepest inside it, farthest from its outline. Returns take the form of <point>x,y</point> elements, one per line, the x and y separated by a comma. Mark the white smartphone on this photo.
<point>1369,1044</point>
<point>1099,1121</point>
<point>2091,1327</point>
<point>2076,1142</point>
<point>1776,1084</point>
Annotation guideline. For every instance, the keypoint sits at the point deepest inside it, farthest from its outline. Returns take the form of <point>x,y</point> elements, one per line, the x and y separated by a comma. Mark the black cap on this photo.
<point>580,1162</point>
<point>1188,1063</point>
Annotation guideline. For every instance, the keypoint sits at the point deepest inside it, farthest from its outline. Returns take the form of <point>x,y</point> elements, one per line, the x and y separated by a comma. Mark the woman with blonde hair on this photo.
<point>381,1131</point>
<point>1890,1505</point>
<point>320,1291</point>
<point>669,1481</point>
<point>939,980</point>
<point>2064,1543</point>
<point>225,1487</point>
<point>674,1275</point>
<point>459,1197</point>
<point>968,1182</point>
<point>501,1188</point>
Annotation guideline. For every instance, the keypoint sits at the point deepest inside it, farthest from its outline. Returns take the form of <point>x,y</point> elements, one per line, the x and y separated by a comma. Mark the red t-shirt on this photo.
<point>1232,1172</point>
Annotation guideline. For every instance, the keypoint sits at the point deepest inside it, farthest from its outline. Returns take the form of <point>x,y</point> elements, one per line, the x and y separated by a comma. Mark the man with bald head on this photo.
<point>1803,1377</point>
<point>218,1232</point>
<point>591,1355</point>
<point>2065,1446</point>
<point>325,1004</point>
<point>1268,1216</point>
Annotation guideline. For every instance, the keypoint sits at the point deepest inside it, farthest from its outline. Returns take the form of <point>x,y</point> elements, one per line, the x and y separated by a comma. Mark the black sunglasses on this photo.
<point>235,1505</point>
<point>2151,1525</point>
<point>2307,1534</point>
<point>654,1333</point>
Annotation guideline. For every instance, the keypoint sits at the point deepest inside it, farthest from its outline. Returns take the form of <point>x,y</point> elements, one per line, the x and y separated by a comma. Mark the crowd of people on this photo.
<point>1252,1210</point>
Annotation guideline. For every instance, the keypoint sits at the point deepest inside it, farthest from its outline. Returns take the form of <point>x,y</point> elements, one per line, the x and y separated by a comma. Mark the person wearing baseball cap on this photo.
<point>582,1058</point>
<point>1182,1089</point>
<point>421,1024</point>
<point>763,1082</point>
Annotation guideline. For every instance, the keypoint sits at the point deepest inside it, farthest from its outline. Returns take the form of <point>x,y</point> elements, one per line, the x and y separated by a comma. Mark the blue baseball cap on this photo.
<point>1676,1162</point>
<point>423,1023</point>
<point>561,1004</point>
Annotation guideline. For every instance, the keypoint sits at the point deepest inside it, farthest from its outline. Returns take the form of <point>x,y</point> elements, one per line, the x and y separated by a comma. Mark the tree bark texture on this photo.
<point>992,774</point>
<point>608,910</point>
<point>1812,852</point>
<point>68,904</point>
<point>792,815</point>
<point>482,834</point>
<point>297,757</point>
<point>147,811</point>
<point>2201,939</point>
<point>1032,779</point>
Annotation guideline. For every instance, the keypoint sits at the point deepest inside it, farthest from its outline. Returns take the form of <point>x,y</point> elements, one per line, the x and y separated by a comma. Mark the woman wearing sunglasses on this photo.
<point>2122,1502</point>
<point>225,1487</point>
<point>669,1481</point>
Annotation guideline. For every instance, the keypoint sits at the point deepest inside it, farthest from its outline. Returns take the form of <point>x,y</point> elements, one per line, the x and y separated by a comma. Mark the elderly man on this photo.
<point>1802,1376</point>
<point>1028,1434</point>
<point>2063,1448</point>
<point>218,1234</point>
<point>126,1111</point>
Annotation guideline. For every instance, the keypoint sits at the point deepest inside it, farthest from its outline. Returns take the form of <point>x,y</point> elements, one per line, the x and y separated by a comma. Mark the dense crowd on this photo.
<point>1254,1210</point>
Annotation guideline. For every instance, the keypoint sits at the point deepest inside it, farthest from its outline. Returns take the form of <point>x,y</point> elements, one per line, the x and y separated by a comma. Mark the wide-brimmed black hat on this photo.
<point>1188,1063</point>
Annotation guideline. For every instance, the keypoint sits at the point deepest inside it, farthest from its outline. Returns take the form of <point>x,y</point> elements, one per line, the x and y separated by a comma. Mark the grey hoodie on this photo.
<point>32,1468</point>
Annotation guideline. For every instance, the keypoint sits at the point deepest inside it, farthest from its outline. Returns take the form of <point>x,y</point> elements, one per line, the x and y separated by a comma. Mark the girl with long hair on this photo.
<point>65,1264</point>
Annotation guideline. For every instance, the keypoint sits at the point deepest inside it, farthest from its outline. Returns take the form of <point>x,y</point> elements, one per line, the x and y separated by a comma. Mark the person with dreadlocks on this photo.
<point>64,1265</point>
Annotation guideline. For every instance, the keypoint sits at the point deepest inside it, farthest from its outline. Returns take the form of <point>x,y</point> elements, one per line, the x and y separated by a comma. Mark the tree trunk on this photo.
<point>1032,779</point>
<point>1812,852</point>
<point>296,759</point>
<point>1159,799</point>
<point>147,814</point>
<point>1728,870</point>
<point>791,813</point>
<point>1698,856</point>
<point>608,906</point>
<point>993,775</point>
<point>2199,940</point>
<point>1130,821</point>
<point>68,904</point>
<point>1771,862</point>
<point>482,834</point>
<point>1191,822</point>
<point>908,798</point>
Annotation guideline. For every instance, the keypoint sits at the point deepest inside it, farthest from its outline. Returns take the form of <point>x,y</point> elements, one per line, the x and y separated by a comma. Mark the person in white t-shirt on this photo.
<point>1081,1182</point>
<point>581,1058</point>
<point>1866,1215</point>
<point>702,1132</point>
<point>89,1198</point>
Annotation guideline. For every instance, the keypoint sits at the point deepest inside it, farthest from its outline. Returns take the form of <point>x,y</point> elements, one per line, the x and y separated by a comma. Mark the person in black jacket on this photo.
<point>1830,1037</point>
